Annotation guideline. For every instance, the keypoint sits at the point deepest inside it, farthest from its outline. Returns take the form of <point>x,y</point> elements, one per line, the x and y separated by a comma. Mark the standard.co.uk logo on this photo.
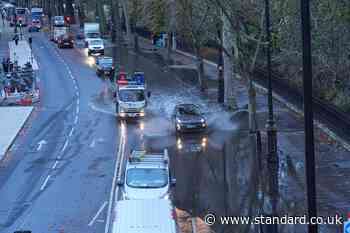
<point>211,219</point>
<point>347,225</point>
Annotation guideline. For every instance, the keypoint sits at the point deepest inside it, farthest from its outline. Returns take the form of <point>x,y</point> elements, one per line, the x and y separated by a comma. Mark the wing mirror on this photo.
<point>120,182</point>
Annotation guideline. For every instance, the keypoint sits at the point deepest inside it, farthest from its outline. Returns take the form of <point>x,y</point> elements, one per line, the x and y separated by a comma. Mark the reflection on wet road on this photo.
<point>215,170</point>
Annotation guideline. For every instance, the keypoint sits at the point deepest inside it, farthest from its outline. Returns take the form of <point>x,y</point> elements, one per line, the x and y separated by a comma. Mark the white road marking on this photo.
<point>76,119</point>
<point>97,214</point>
<point>93,143</point>
<point>55,165</point>
<point>40,145</point>
<point>65,145</point>
<point>45,183</point>
<point>77,110</point>
<point>71,132</point>
<point>115,188</point>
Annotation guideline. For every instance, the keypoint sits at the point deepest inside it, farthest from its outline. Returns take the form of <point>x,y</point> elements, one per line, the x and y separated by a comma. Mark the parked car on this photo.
<point>147,176</point>
<point>104,66</point>
<point>65,41</point>
<point>188,118</point>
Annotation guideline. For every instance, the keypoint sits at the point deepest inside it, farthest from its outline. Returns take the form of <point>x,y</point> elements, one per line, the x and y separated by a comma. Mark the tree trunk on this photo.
<point>69,11</point>
<point>229,61</point>
<point>127,22</point>
<point>252,106</point>
<point>201,74</point>
<point>101,16</point>
<point>172,28</point>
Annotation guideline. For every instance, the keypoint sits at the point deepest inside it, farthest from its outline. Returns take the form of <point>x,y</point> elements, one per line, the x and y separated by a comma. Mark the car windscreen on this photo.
<point>131,95</point>
<point>189,110</point>
<point>59,18</point>
<point>20,11</point>
<point>146,178</point>
<point>106,62</point>
<point>96,42</point>
<point>92,35</point>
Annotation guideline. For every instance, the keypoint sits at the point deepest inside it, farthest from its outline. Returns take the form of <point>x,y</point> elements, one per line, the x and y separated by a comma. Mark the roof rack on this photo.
<point>140,156</point>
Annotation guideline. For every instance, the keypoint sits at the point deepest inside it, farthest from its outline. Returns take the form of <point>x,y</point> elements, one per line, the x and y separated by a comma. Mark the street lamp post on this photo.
<point>308,115</point>
<point>221,84</point>
<point>271,127</point>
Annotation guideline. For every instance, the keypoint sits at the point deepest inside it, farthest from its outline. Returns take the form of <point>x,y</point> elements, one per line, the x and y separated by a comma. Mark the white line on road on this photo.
<point>114,188</point>
<point>93,143</point>
<point>65,145</point>
<point>71,132</point>
<point>55,165</point>
<point>97,214</point>
<point>45,183</point>
<point>40,145</point>
<point>76,119</point>
<point>77,110</point>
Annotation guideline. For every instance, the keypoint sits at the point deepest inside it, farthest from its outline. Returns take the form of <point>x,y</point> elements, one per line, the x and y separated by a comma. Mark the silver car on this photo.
<point>147,176</point>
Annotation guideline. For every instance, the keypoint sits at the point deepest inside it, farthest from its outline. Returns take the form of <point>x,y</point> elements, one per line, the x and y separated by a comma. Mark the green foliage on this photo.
<point>157,10</point>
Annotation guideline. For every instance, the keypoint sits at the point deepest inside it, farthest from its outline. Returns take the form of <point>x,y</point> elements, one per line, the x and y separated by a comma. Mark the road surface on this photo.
<point>59,174</point>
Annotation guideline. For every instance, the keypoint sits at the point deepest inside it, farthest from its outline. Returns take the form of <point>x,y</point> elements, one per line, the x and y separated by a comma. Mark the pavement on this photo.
<point>22,54</point>
<point>12,121</point>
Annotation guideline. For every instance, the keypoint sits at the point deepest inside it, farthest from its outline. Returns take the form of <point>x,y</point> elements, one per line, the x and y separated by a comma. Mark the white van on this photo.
<point>144,216</point>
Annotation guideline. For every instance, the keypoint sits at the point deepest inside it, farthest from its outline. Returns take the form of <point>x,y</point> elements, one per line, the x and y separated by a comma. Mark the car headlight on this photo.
<point>179,141</point>
<point>179,121</point>
<point>166,196</point>
<point>202,120</point>
<point>121,110</point>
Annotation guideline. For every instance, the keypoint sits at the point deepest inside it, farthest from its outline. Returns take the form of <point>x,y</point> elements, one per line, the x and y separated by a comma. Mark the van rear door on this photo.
<point>146,216</point>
